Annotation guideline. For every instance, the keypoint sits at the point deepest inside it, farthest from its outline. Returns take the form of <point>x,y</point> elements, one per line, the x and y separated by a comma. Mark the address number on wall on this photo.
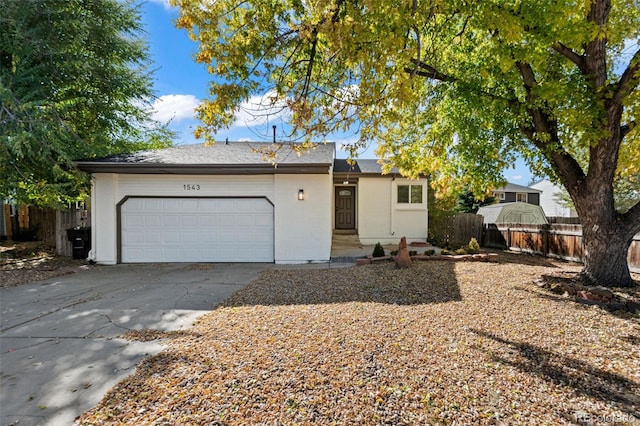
<point>191,187</point>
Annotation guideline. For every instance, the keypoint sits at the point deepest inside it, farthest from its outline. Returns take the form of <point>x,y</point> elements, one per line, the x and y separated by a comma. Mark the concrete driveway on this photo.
<point>59,345</point>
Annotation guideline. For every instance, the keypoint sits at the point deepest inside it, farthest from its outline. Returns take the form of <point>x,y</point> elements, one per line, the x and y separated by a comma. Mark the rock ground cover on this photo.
<point>437,343</point>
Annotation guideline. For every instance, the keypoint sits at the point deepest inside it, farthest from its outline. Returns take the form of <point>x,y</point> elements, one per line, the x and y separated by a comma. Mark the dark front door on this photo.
<point>345,207</point>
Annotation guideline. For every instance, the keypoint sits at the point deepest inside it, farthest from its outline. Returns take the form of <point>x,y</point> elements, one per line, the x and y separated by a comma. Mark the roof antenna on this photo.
<point>274,133</point>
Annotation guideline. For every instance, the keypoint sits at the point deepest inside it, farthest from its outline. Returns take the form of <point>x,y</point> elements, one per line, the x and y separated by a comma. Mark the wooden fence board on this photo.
<point>562,241</point>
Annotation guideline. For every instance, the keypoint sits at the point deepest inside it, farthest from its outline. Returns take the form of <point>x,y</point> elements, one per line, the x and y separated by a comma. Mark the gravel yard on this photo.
<point>440,343</point>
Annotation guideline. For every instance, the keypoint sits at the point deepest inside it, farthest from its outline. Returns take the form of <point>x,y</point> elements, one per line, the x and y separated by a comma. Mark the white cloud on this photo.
<point>260,110</point>
<point>174,107</point>
<point>516,177</point>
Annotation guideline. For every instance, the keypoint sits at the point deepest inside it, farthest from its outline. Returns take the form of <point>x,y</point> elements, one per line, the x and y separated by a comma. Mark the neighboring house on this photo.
<point>224,203</point>
<point>512,193</point>
<point>550,202</point>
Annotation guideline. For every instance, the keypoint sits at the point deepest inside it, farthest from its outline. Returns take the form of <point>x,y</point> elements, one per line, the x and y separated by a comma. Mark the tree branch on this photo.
<point>307,77</point>
<point>542,123</point>
<point>572,56</point>
<point>628,80</point>
<point>425,70</point>
<point>626,128</point>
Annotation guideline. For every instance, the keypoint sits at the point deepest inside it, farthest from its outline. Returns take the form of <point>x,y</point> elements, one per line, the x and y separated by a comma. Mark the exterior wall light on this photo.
<point>301,194</point>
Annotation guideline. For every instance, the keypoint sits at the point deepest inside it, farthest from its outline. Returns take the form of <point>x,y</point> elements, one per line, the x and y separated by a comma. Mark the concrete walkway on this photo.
<point>59,345</point>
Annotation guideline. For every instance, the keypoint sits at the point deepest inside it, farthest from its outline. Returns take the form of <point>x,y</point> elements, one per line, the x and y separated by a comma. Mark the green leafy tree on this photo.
<point>74,84</point>
<point>454,89</point>
<point>467,202</point>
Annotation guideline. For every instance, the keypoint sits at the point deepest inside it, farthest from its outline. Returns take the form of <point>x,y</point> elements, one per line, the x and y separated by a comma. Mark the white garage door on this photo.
<point>196,230</point>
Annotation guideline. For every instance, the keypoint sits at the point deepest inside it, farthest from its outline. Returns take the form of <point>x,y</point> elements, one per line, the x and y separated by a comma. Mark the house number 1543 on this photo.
<point>191,187</point>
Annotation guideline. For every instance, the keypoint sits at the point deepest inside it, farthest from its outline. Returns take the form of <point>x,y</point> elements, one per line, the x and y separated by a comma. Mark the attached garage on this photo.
<point>196,230</point>
<point>222,203</point>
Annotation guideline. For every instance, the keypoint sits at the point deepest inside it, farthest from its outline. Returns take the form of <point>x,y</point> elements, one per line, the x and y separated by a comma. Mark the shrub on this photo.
<point>378,250</point>
<point>430,252</point>
<point>461,251</point>
<point>413,252</point>
<point>445,252</point>
<point>394,252</point>
<point>474,247</point>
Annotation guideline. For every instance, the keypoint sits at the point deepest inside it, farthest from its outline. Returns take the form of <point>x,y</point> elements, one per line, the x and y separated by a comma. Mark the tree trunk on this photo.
<point>606,247</point>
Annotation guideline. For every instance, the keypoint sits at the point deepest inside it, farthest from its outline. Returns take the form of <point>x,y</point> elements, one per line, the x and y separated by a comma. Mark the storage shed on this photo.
<point>513,213</point>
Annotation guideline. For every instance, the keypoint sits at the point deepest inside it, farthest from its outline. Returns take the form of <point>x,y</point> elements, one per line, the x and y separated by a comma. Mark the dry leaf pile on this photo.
<point>28,262</point>
<point>439,343</point>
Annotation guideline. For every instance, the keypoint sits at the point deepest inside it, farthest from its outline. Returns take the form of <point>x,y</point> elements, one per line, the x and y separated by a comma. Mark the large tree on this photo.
<point>456,89</point>
<point>74,83</point>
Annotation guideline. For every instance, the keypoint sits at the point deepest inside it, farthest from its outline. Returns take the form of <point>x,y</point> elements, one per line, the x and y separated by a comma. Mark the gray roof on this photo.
<point>367,166</point>
<point>512,187</point>
<point>220,158</point>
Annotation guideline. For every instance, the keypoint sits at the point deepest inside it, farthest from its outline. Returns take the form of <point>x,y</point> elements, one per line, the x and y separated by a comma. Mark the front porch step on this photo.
<point>345,232</point>
<point>345,241</point>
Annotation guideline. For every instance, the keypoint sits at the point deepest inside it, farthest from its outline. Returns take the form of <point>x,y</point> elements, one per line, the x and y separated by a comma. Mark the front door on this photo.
<point>345,207</point>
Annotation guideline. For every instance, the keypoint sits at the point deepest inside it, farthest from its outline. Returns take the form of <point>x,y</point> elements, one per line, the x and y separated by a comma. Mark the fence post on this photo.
<point>545,240</point>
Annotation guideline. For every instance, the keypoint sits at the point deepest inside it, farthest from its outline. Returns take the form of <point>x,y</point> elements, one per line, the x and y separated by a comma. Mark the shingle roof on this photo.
<point>512,187</point>
<point>363,165</point>
<point>231,157</point>
<point>223,153</point>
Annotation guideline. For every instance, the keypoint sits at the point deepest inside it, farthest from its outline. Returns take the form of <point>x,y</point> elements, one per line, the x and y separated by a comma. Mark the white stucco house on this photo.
<point>549,200</point>
<point>225,203</point>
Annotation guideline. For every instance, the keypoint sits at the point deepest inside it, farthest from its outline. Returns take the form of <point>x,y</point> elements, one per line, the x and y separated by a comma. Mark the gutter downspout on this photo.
<point>92,253</point>
<point>391,231</point>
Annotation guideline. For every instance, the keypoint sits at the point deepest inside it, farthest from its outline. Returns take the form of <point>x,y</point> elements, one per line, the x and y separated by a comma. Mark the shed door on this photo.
<point>345,207</point>
<point>196,230</point>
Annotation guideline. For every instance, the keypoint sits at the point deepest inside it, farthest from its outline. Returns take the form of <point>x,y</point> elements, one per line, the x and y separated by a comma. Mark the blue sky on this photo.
<point>180,84</point>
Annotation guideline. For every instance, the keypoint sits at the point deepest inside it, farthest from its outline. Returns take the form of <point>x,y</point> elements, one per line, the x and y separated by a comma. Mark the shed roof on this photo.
<point>513,213</point>
<point>220,158</point>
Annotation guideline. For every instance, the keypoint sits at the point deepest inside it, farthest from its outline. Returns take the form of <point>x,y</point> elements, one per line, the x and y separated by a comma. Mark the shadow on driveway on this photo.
<point>60,349</point>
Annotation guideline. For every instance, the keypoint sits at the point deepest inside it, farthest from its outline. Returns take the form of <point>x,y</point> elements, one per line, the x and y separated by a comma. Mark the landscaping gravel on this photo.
<point>439,343</point>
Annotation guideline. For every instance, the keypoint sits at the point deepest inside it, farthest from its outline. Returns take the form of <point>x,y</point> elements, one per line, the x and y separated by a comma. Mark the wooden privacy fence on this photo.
<point>562,241</point>
<point>457,230</point>
<point>49,225</point>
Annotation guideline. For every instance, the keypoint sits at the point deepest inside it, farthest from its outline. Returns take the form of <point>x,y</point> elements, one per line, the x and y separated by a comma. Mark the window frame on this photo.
<point>410,193</point>
<point>526,197</point>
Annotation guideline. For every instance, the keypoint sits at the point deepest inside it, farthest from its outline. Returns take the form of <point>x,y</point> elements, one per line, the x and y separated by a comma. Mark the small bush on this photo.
<point>413,252</point>
<point>461,251</point>
<point>394,252</point>
<point>474,247</point>
<point>378,250</point>
<point>430,252</point>
<point>445,252</point>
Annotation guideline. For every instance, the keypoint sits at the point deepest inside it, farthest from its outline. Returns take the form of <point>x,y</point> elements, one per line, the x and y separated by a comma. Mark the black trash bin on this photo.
<point>81,241</point>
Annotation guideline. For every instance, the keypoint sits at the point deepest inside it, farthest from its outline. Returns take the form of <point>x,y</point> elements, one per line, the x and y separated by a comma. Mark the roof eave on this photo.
<point>203,169</point>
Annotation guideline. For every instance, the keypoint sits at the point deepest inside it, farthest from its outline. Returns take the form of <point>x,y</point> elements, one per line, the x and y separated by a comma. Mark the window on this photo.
<point>499,195</point>
<point>521,197</point>
<point>410,194</point>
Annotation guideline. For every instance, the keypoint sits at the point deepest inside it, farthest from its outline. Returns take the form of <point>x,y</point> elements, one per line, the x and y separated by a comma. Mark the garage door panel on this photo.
<point>147,205</point>
<point>133,221</point>
<point>171,220</point>
<point>197,230</point>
